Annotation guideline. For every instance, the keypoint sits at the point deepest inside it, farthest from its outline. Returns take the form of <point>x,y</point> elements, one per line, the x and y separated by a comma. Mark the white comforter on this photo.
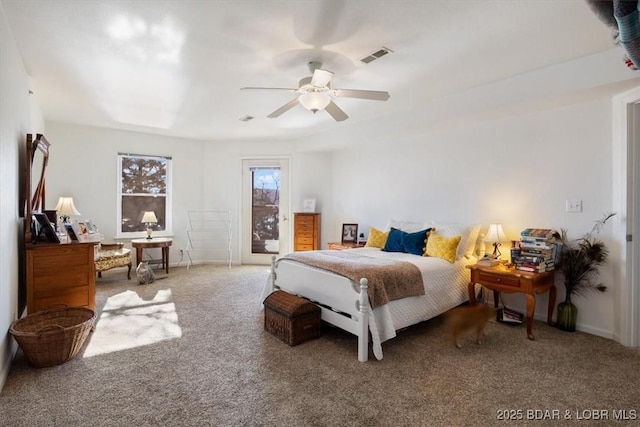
<point>445,287</point>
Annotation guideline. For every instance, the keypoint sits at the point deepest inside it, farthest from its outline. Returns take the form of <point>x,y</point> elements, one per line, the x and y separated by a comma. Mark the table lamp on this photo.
<point>495,235</point>
<point>66,208</point>
<point>149,218</point>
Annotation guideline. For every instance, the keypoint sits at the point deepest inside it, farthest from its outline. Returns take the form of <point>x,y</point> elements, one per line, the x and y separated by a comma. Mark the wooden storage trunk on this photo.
<point>291,318</point>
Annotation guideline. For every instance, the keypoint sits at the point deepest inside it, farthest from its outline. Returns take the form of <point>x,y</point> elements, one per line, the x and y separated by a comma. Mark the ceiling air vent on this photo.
<point>375,55</point>
<point>246,118</point>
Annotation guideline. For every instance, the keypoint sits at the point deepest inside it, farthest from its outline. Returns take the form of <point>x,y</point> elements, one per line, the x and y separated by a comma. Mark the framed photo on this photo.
<point>349,233</point>
<point>44,226</point>
<point>70,231</point>
<point>83,228</point>
<point>89,226</point>
<point>309,205</point>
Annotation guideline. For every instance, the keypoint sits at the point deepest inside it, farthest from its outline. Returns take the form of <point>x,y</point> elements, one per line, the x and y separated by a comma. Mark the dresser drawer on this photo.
<point>305,227</point>
<point>497,279</point>
<point>302,219</point>
<point>303,247</point>
<point>304,240</point>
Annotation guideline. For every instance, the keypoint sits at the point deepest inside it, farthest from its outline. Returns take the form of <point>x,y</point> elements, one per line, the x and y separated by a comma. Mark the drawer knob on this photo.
<point>499,280</point>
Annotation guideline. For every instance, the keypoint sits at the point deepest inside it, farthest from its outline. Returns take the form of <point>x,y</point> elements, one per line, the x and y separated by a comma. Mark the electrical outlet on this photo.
<point>574,205</point>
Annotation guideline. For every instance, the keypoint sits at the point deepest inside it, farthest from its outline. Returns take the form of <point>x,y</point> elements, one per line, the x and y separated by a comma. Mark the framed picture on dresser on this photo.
<point>309,205</point>
<point>349,233</point>
<point>45,227</point>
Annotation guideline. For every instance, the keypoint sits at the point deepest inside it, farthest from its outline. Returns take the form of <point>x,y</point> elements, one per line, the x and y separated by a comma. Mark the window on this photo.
<point>144,185</point>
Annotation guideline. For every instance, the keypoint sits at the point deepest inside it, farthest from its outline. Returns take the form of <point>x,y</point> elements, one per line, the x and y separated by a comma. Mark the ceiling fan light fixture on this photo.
<point>314,101</point>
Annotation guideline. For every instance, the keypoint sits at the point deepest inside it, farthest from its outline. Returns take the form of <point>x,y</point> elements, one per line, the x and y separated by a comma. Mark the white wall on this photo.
<point>206,175</point>
<point>517,170</point>
<point>19,115</point>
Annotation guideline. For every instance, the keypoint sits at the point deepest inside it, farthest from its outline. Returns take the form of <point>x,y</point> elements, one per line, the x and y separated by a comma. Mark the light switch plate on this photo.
<point>574,205</point>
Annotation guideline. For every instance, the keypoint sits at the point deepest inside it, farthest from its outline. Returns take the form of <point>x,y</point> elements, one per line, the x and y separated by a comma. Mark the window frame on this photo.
<point>168,231</point>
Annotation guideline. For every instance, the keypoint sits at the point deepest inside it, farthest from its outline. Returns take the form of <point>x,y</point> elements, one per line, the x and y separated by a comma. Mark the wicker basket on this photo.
<point>291,318</point>
<point>52,337</point>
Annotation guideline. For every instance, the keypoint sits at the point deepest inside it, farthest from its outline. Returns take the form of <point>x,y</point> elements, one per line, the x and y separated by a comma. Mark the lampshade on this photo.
<point>495,234</point>
<point>314,101</point>
<point>149,217</point>
<point>65,207</point>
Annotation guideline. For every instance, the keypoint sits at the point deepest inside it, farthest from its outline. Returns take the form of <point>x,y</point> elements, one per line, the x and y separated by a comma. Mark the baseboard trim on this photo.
<point>579,326</point>
<point>4,374</point>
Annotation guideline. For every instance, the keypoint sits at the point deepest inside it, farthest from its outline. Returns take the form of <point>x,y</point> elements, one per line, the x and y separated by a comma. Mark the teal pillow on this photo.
<point>415,243</point>
<point>394,241</point>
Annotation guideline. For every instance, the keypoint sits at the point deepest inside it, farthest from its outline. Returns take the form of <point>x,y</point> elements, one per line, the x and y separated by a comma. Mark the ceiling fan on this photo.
<point>315,94</point>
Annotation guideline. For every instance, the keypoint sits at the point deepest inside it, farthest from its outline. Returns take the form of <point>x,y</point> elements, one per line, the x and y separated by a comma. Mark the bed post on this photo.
<point>272,274</point>
<point>363,324</point>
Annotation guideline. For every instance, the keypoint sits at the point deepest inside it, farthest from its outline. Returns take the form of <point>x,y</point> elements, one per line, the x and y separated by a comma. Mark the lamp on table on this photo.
<point>495,235</point>
<point>149,218</point>
<point>66,208</point>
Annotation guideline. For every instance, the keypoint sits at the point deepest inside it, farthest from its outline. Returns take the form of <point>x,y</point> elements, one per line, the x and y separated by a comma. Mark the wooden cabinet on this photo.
<point>60,274</point>
<point>306,231</point>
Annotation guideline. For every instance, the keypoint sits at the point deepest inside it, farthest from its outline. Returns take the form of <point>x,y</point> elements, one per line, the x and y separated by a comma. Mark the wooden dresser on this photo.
<point>306,231</point>
<point>60,273</point>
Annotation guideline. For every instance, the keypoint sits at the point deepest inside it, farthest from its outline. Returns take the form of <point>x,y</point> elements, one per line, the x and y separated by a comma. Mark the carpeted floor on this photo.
<point>190,350</point>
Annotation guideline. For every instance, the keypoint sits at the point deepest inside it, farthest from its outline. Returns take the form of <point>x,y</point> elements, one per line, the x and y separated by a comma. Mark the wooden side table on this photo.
<point>501,279</point>
<point>340,246</point>
<point>156,242</point>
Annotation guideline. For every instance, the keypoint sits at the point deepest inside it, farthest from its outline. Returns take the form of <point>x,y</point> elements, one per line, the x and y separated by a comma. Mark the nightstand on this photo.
<point>502,279</point>
<point>340,246</point>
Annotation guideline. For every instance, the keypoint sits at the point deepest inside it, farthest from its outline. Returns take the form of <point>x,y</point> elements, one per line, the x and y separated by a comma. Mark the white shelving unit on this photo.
<point>209,235</point>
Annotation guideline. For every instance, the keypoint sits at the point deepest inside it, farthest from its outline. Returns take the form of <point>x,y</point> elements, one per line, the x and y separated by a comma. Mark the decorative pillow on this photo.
<point>468,236</point>
<point>376,239</point>
<point>415,243</point>
<point>394,241</point>
<point>406,226</point>
<point>442,247</point>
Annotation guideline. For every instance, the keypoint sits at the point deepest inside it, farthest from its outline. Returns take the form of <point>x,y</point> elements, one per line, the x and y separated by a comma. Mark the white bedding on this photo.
<point>445,286</point>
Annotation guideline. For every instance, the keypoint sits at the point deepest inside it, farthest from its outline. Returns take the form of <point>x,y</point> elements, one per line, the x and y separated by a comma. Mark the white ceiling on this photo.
<point>176,67</point>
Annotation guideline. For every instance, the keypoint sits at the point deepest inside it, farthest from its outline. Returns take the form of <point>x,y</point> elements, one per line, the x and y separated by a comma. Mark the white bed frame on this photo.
<point>342,302</point>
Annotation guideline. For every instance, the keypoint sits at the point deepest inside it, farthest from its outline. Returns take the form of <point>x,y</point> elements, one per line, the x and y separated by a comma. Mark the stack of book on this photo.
<point>537,251</point>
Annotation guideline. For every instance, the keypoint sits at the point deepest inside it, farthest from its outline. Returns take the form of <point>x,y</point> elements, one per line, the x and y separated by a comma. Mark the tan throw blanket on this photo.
<point>388,279</point>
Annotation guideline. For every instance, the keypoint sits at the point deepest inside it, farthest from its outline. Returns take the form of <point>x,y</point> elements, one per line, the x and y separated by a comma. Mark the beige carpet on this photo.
<point>190,350</point>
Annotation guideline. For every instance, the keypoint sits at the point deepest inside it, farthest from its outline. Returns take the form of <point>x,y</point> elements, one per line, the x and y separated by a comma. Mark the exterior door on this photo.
<point>265,209</point>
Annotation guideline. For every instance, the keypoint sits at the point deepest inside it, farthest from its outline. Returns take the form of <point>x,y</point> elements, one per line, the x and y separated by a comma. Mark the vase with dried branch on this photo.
<point>579,263</point>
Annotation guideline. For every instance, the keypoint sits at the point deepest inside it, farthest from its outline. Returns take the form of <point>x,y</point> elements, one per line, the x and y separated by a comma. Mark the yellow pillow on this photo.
<point>376,239</point>
<point>442,247</point>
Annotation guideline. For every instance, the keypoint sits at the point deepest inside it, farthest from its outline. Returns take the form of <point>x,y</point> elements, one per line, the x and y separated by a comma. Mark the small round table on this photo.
<point>156,242</point>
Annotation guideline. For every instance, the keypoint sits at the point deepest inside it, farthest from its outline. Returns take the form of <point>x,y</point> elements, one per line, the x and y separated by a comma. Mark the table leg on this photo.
<point>552,304</point>
<point>531,307</point>
<point>471,288</point>
<point>165,258</point>
<point>496,299</point>
<point>138,256</point>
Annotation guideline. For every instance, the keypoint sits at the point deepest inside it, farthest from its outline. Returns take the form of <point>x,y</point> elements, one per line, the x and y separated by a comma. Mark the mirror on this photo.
<point>37,159</point>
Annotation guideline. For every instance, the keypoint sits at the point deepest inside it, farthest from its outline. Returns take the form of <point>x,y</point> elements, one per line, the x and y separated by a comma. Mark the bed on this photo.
<point>345,302</point>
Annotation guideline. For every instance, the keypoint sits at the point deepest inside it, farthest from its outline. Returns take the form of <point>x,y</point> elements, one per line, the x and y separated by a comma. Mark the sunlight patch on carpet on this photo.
<point>127,321</point>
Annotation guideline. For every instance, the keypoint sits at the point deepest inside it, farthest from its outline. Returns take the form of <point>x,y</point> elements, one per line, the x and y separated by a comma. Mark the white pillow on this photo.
<point>407,226</point>
<point>480,249</point>
<point>468,232</point>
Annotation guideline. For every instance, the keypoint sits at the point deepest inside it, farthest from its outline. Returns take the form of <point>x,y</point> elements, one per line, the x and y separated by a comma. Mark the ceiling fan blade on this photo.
<point>269,88</point>
<point>286,107</point>
<point>362,94</point>
<point>321,78</point>
<point>336,112</point>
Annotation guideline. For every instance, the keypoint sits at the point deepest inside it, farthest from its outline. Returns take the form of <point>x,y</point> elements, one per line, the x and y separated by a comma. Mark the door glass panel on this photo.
<point>265,201</point>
